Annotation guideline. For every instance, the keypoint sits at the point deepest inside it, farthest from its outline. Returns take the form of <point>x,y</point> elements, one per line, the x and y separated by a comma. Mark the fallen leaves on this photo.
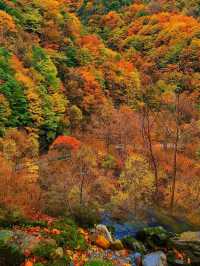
<point>28,263</point>
<point>55,232</point>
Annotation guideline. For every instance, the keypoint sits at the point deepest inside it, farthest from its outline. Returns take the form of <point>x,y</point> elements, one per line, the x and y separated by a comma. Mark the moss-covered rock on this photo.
<point>58,253</point>
<point>10,253</point>
<point>10,217</point>
<point>154,236</point>
<point>133,244</point>
<point>15,243</point>
<point>117,245</point>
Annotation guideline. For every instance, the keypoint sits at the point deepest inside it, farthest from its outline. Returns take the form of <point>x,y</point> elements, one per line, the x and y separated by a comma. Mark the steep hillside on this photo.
<point>99,107</point>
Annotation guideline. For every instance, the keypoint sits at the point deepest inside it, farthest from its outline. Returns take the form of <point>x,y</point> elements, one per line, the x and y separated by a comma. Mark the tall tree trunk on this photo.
<point>146,133</point>
<point>153,159</point>
<point>174,171</point>
<point>174,175</point>
<point>82,185</point>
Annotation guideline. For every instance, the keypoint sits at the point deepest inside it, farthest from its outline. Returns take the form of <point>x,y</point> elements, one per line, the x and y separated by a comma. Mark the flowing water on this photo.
<point>154,218</point>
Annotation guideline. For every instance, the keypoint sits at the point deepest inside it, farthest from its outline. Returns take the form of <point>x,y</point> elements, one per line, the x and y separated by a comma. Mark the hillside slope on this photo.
<point>120,79</point>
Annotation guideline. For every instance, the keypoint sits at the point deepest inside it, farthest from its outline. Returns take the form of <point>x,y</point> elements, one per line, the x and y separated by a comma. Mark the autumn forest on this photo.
<point>99,108</point>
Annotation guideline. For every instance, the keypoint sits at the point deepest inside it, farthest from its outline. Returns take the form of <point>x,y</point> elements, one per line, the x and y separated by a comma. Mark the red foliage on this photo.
<point>67,140</point>
<point>90,40</point>
<point>125,66</point>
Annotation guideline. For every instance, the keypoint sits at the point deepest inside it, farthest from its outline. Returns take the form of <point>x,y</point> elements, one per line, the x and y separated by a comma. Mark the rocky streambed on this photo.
<point>61,242</point>
<point>154,245</point>
<point>180,247</point>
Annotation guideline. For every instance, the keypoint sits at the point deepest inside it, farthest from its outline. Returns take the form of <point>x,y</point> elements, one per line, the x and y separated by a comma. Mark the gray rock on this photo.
<point>179,262</point>
<point>190,236</point>
<point>155,259</point>
<point>58,253</point>
<point>189,243</point>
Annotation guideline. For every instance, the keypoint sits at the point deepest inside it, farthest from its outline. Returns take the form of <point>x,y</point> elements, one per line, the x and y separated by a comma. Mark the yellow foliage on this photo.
<point>6,22</point>
<point>59,103</point>
<point>31,92</point>
<point>50,6</point>
<point>32,170</point>
<point>73,25</point>
<point>6,107</point>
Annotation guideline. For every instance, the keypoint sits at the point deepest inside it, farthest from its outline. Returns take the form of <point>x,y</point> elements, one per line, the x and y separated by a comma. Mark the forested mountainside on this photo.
<point>99,107</point>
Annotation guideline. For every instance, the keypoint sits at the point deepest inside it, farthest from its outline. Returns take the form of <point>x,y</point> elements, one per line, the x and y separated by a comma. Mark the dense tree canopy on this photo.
<point>116,83</point>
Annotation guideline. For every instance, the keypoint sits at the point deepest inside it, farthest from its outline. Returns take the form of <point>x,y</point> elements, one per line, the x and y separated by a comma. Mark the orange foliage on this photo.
<point>92,91</point>
<point>112,20</point>
<point>125,66</point>
<point>91,42</point>
<point>28,263</point>
<point>6,22</point>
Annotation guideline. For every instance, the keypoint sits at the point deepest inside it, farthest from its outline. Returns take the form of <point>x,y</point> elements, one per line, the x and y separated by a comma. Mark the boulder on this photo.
<point>154,237</point>
<point>133,244</point>
<point>136,259</point>
<point>101,229</point>
<point>117,245</point>
<point>190,236</point>
<point>189,243</point>
<point>58,253</point>
<point>155,259</point>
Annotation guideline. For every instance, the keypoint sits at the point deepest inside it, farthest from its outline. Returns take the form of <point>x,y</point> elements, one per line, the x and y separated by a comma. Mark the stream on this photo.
<point>154,218</point>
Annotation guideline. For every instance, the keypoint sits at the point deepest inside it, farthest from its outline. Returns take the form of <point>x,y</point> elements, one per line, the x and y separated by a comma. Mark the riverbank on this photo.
<point>60,242</point>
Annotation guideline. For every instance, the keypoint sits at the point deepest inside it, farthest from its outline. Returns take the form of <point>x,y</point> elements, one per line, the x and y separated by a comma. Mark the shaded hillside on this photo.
<point>122,79</point>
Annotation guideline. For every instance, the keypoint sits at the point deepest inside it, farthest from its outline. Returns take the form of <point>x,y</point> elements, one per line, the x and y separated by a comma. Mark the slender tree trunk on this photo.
<point>146,133</point>
<point>174,171</point>
<point>175,155</point>
<point>153,159</point>
<point>81,189</point>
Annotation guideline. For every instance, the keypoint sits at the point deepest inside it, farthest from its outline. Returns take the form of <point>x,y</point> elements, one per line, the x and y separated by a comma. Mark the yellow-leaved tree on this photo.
<point>136,185</point>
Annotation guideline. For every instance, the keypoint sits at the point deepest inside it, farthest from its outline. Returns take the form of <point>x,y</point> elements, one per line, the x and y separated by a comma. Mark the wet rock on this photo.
<point>136,259</point>
<point>133,244</point>
<point>154,237</point>
<point>117,245</point>
<point>189,243</point>
<point>155,259</point>
<point>190,236</point>
<point>179,262</point>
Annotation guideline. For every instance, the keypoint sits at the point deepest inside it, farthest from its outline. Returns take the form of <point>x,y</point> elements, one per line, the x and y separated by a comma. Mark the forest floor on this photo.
<point>59,242</point>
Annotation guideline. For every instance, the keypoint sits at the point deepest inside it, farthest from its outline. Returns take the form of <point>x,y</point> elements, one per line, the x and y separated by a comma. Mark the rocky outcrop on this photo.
<point>189,243</point>
<point>102,229</point>
<point>103,238</point>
